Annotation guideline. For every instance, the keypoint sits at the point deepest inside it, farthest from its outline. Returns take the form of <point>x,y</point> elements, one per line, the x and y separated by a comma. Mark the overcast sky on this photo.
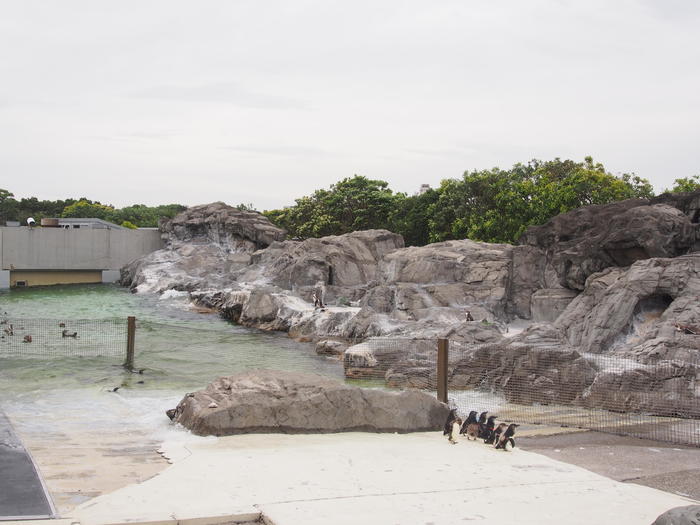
<point>264,101</point>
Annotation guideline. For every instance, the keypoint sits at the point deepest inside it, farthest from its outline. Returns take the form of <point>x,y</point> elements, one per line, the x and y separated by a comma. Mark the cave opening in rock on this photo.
<point>647,311</point>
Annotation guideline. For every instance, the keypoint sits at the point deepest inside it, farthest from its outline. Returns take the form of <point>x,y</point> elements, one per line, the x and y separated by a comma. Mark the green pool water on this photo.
<point>177,349</point>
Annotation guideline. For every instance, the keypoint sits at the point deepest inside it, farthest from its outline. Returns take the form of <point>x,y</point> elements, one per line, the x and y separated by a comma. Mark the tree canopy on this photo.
<point>135,216</point>
<point>493,205</point>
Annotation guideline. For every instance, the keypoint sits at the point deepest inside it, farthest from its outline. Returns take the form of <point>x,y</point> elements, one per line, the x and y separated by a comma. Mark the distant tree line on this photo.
<point>492,205</point>
<point>135,216</point>
<point>486,205</point>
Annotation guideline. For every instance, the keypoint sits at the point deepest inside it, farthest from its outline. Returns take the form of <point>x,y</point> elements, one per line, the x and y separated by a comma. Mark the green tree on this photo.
<point>355,203</point>
<point>686,184</point>
<point>498,205</point>
<point>411,216</point>
<point>8,206</point>
<point>88,209</point>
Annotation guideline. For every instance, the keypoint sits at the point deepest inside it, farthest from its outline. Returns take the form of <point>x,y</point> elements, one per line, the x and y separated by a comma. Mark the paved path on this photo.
<point>672,468</point>
<point>22,493</point>
<point>381,479</point>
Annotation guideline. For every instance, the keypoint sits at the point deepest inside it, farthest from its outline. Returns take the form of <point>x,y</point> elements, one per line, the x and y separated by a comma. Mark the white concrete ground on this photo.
<point>370,479</point>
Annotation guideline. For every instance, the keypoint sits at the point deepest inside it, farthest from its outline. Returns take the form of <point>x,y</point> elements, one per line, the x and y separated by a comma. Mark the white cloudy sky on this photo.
<point>264,101</point>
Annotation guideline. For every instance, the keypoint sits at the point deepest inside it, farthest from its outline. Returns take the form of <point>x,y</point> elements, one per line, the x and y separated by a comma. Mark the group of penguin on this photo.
<point>500,436</point>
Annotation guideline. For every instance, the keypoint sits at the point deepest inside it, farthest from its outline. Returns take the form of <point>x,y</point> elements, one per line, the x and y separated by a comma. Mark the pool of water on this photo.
<point>178,350</point>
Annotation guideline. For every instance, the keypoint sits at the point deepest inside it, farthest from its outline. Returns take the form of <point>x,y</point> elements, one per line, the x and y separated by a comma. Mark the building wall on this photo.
<point>46,278</point>
<point>23,248</point>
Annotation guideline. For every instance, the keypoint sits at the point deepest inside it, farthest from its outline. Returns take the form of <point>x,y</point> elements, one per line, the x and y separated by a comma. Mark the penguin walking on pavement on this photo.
<point>471,418</point>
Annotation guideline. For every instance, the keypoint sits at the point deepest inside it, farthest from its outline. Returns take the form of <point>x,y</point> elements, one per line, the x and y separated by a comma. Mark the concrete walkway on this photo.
<point>378,479</point>
<point>22,492</point>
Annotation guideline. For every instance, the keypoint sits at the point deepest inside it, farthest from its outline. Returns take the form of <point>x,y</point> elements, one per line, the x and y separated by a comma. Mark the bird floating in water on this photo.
<point>27,339</point>
<point>67,333</point>
<point>10,330</point>
<point>61,325</point>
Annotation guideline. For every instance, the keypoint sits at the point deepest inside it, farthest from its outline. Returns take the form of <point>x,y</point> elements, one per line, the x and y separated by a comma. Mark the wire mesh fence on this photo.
<point>39,338</point>
<point>608,393</point>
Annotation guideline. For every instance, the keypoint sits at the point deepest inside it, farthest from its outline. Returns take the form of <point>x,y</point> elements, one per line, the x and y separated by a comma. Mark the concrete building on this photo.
<point>81,252</point>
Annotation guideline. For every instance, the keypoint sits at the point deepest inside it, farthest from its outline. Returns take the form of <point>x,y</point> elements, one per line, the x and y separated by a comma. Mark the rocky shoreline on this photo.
<point>598,286</point>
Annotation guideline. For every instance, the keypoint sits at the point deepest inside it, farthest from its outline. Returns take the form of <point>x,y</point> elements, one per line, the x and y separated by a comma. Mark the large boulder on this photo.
<point>204,247</point>
<point>295,402</point>
<point>218,223</point>
<point>689,515</point>
<point>589,239</point>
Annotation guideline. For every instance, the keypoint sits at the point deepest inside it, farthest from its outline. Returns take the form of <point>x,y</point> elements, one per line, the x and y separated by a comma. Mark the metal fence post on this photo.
<point>130,338</point>
<point>443,350</point>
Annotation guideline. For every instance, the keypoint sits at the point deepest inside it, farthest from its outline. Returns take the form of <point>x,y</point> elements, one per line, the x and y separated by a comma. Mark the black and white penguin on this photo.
<point>482,423</point>
<point>470,419</point>
<point>454,431</point>
<point>506,440</point>
<point>489,429</point>
<point>498,431</point>
<point>448,423</point>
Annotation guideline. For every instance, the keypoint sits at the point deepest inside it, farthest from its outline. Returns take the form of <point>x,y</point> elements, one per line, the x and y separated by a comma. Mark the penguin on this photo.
<point>454,431</point>
<point>497,432</point>
<point>482,423</point>
<point>470,419</point>
<point>488,430</point>
<point>506,440</point>
<point>448,424</point>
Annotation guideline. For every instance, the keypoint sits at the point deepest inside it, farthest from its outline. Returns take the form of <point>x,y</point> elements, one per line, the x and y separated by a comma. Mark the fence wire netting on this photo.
<point>38,338</point>
<point>395,363</point>
<point>608,393</point>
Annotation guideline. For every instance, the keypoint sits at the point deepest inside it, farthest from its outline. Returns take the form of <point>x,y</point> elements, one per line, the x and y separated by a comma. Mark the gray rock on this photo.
<point>666,388</point>
<point>331,347</point>
<point>547,304</point>
<point>525,375</point>
<point>205,246</point>
<point>689,515</point>
<point>294,402</point>
<point>232,229</point>
<point>587,240</point>
<point>636,311</point>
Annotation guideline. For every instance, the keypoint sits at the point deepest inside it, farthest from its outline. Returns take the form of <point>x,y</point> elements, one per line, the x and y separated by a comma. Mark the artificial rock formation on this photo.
<point>204,246</point>
<point>295,402</point>
<point>587,240</point>
<point>615,280</point>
